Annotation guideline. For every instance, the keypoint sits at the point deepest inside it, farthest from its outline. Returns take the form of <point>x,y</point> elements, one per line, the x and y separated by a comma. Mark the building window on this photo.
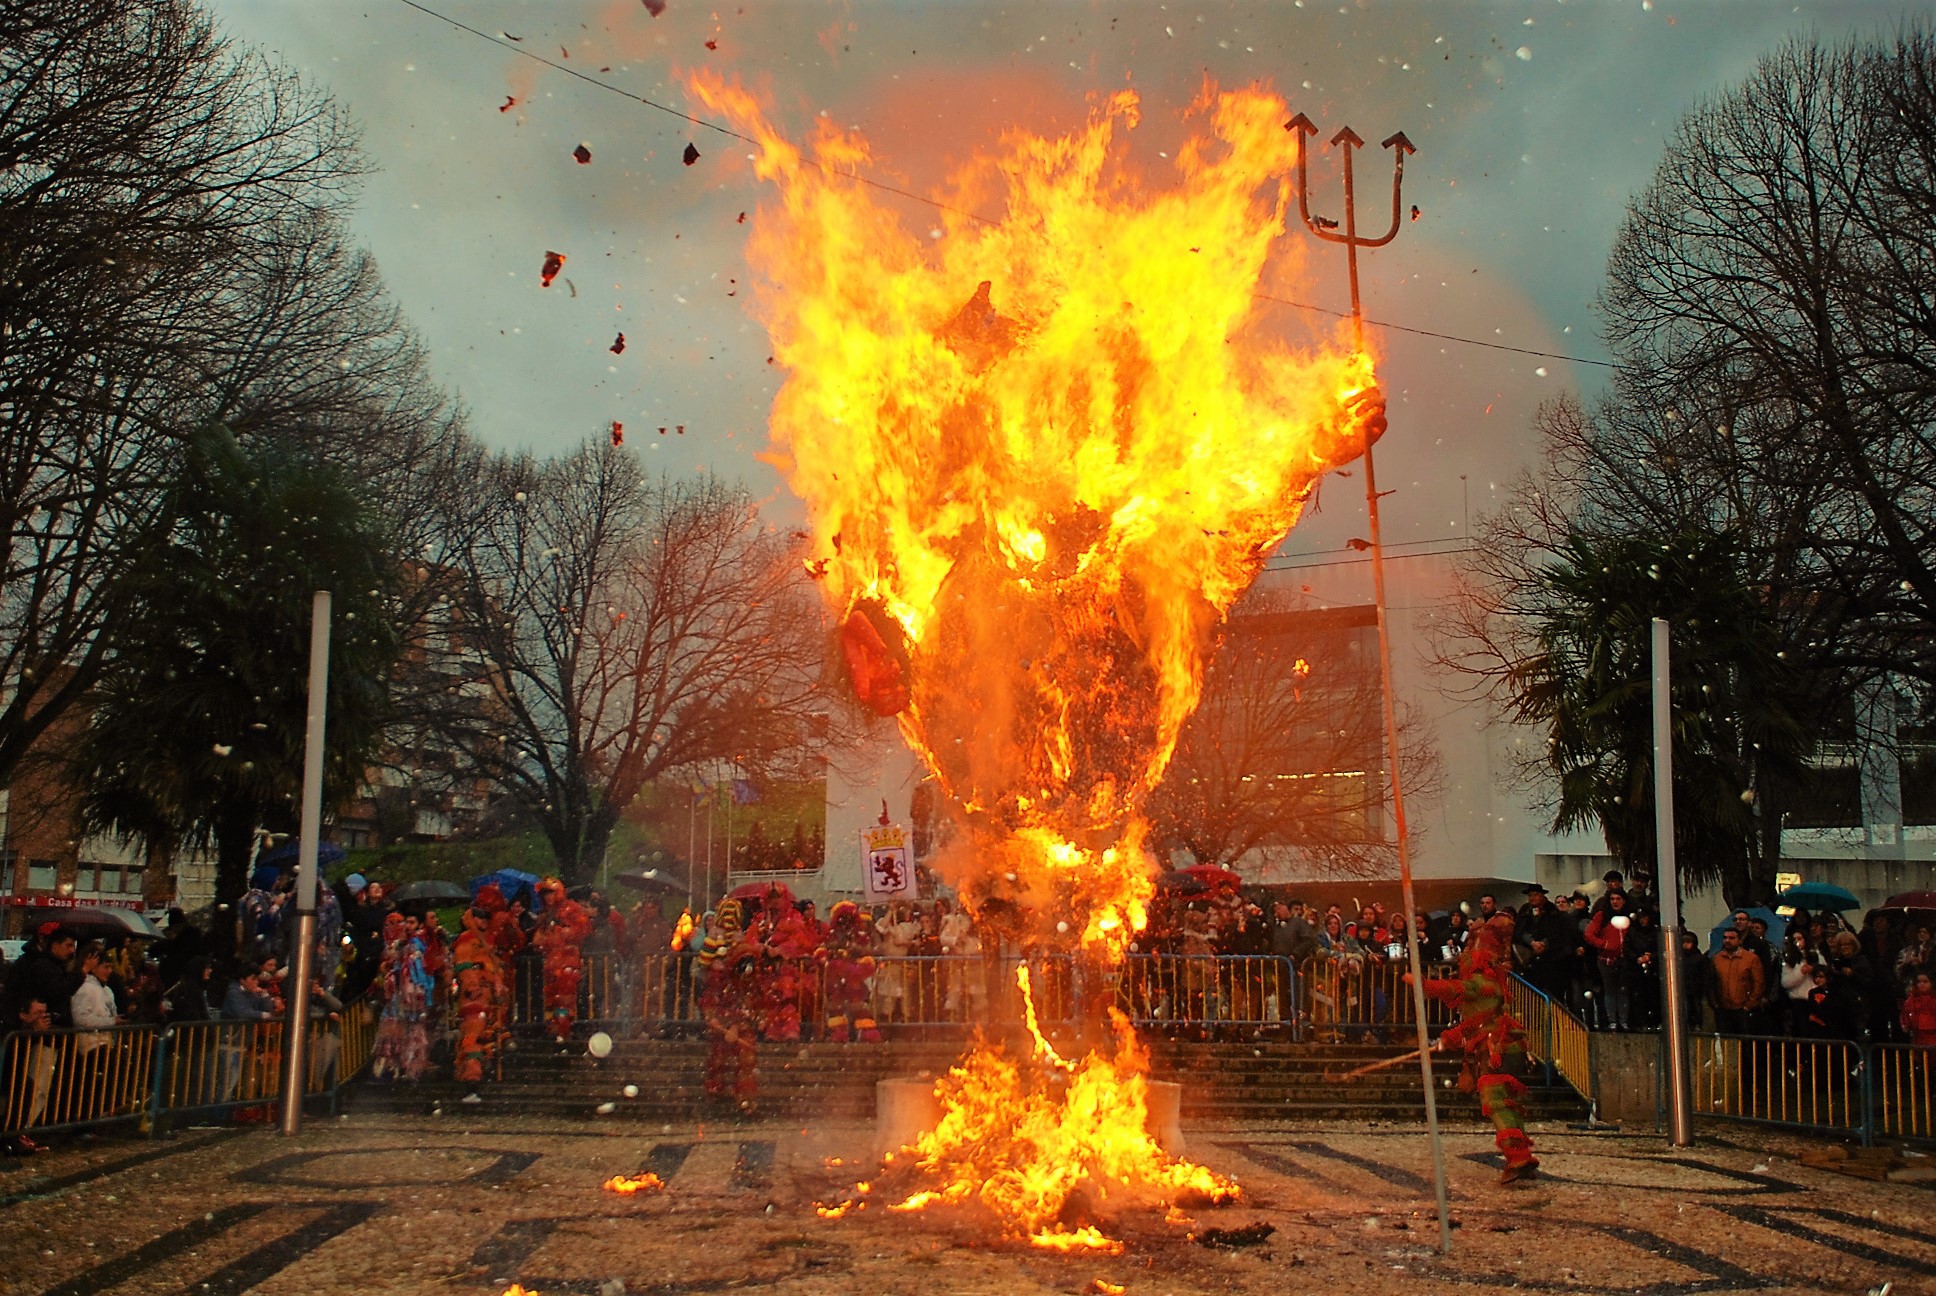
<point>6,872</point>
<point>42,875</point>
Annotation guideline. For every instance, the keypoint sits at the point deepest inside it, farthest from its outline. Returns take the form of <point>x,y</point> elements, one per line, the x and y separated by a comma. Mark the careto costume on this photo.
<point>849,969</point>
<point>560,938</point>
<point>507,942</point>
<point>727,1002</point>
<point>785,943</point>
<point>480,986</point>
<point>1492,1039</point>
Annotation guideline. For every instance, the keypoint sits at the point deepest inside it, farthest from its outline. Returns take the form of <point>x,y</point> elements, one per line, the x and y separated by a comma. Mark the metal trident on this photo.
<point>1346,141</point>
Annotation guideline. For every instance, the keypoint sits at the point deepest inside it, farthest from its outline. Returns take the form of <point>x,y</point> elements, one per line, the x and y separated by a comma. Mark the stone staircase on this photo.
<point>1231,1081</point>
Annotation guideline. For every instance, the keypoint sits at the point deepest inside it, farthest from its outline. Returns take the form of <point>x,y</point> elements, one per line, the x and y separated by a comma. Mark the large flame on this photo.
<point>1044,451</point>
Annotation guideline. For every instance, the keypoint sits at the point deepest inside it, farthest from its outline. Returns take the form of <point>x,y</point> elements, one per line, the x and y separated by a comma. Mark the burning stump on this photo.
<point>905,1109</point>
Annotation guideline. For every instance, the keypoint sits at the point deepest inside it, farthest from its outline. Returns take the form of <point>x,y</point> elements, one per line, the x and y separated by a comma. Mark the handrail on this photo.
<point>1553,1034</point>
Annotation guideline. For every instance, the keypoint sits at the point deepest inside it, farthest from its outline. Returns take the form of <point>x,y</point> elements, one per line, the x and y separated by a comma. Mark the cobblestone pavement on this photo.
<point>466,1206</point>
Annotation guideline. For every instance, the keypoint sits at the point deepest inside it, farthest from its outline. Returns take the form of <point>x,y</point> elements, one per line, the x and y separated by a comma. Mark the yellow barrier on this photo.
<point>1784,1081</point>
<point>1572,1049</point>
<point>56,1079</point>
<point>359,1039</point>
<point>1903,1091</point>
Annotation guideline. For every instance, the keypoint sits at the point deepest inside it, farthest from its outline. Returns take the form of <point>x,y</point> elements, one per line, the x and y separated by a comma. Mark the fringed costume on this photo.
<point>848,975</point>
<point>728,962</point>
<point>1492,1040</point>
<point>560,938</point>
<point>480,985</point>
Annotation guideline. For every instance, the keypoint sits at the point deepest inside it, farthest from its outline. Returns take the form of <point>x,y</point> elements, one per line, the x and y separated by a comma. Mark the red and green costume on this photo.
<point>1492,1040</point>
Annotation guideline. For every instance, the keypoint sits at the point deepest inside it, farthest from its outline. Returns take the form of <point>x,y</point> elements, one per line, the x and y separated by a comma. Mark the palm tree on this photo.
<point>1588,684</point>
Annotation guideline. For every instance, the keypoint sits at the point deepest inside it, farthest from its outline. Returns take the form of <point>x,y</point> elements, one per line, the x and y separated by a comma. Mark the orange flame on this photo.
<point>682,933</point>
<point>628,1184</point>
<point>1043,454</point>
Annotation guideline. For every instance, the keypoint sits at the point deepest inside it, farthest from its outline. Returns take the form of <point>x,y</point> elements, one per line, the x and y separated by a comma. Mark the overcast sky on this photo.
<point>1534,121</point>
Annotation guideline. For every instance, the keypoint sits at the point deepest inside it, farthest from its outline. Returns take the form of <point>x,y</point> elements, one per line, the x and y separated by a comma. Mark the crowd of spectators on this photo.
<point>1603,958</point>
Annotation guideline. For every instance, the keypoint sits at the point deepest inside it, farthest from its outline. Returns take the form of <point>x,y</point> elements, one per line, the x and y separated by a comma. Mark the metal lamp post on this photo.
<point>1346,141</point>
<point>1680,1101</point>
<point>295,1044</point>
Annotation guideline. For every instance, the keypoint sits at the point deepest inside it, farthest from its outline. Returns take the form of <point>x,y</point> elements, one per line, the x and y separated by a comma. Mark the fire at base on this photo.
<point>1043,454</point>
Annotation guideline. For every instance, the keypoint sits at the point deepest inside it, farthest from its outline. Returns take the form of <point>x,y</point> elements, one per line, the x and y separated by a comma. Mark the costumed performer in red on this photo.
<point>785,943</point>
<point>507,942</point>
<point>1492,1040</point>
<point>560,938</point>
<point>728,963</point>
<point>480,983</point>
<point>849,971</point>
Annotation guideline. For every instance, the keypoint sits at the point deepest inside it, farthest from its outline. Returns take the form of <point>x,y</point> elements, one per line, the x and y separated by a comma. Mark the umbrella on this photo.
<point>649,880</point>
<point>1777,925</point>
<point>1912,900</point>
<point>1818,896</point>
<point>510,882</point>
<point>1214,875</point>
<point>432,892</point>
<point>284,855</point>
<point>110,919</point>
<point>1181,883</point>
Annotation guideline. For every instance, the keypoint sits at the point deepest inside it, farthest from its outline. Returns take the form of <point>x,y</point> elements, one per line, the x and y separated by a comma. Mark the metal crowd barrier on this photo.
<point>76,1079</point>
<point>69,1079</point>
<point>903,992</point>
<point>1782,1080</point>
<point>1356,998</point>
<point>1258,991</point>
<point>1902,1091</point>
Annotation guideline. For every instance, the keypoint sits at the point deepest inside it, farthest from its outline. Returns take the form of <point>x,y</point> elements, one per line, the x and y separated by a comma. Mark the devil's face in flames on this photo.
<point>1043,455</point>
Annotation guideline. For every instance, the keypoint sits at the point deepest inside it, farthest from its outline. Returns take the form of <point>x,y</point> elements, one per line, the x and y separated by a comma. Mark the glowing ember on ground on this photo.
<point>643,1183</point>
<point>1043,454</point>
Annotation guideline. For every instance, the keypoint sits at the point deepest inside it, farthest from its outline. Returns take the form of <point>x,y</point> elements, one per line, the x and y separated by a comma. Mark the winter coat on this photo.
<point>1739,982</point>
<point>1606,940</point>
<point>1919,1019</point>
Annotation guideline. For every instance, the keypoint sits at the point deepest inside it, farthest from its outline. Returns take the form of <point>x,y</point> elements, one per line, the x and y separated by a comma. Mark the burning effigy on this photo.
<point>1044,450</point>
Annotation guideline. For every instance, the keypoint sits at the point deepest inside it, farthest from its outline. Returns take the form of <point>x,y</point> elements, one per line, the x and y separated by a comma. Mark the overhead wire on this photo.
<point>515,47</point>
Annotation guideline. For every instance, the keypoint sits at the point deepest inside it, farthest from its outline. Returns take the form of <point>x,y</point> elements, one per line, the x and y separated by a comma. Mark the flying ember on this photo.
<point>1043,453</point>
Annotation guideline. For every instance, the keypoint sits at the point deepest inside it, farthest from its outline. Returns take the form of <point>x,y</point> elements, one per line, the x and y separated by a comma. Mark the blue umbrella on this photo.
<point>510,882</point>
<point>1817,896</point>
<point>284,855</point>
<point>1777,925</point>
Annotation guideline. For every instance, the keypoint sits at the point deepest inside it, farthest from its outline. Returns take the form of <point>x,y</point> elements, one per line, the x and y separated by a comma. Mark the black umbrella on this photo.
<point>1180,883</point>
<point>650,880</point>
<point>431,891</point>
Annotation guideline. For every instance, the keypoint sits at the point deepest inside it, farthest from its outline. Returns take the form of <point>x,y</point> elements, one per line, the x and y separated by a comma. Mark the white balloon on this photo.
<point>599,1045</point>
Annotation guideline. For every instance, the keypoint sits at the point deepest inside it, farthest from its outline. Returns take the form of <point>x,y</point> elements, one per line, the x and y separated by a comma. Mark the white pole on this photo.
<point>295,1042</point>
<point>1680,1102</point>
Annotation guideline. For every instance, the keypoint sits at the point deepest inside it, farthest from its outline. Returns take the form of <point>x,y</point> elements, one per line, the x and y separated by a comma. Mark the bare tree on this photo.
<point>1286,748</point>
<point>1773,293</point>
<point>144,165</point>
<point>606,630</point>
